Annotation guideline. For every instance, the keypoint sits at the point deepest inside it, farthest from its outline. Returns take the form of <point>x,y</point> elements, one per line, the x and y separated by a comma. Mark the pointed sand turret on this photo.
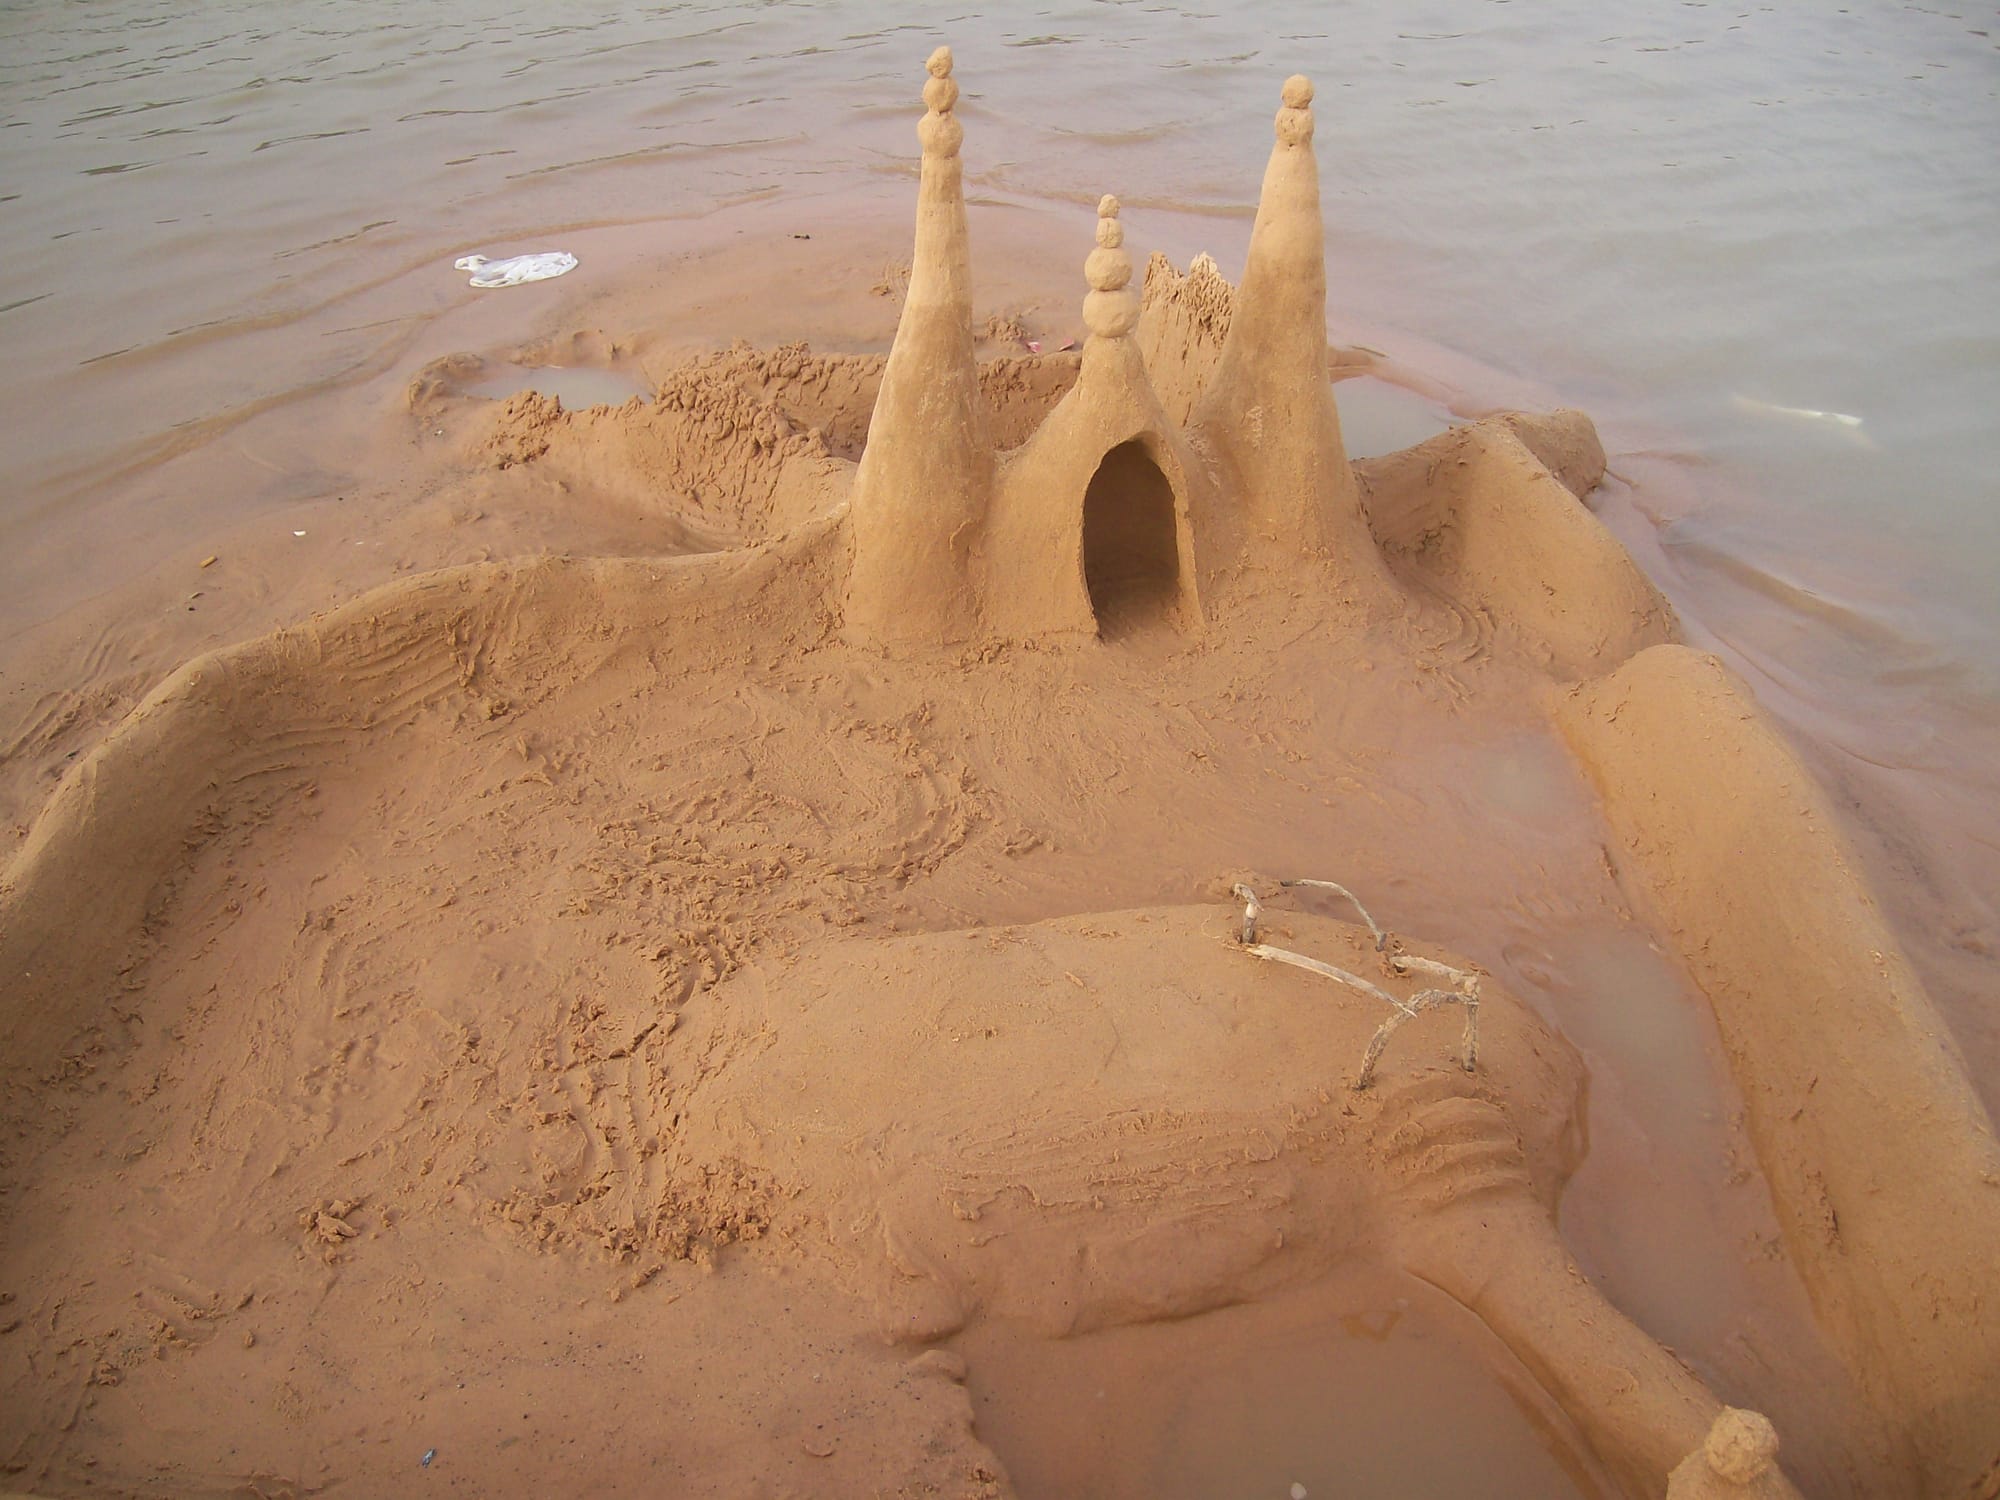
<point>1092,524</point>
<point>1268,410</point>
<point>926,475</point>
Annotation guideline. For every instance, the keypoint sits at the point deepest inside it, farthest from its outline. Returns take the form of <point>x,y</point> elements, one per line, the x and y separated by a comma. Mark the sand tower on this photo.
<point>1109,521</point>
<point>1092,525</point>
<point>1268,412</point>
<point>920,496</point>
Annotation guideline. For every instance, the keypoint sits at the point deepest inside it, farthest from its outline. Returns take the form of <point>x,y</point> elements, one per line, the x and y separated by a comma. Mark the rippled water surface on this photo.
<point>1704,213</point>
<point>1717,216</point>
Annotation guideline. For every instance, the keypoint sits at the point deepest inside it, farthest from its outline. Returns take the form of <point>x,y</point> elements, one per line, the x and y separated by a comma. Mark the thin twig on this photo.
<point>1464,983</point>
<point>1252,910</point>
<point>1410,963</point>
<point>1424,1000</point>
<point>1381,937</point>
<point>1352,981</point>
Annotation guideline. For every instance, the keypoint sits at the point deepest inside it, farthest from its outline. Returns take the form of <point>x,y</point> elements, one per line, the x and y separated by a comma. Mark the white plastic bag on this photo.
<point>516,269</point>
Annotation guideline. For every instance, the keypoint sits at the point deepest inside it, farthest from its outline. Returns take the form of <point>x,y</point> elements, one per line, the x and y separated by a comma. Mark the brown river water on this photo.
<point>1759,244</point>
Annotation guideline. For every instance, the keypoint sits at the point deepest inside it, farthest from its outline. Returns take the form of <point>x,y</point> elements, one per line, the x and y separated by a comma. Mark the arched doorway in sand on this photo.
<point>1131,544</point>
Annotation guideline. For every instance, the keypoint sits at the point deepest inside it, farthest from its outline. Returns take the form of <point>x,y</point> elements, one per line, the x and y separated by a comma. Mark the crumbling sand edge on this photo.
<point>1489,517</point>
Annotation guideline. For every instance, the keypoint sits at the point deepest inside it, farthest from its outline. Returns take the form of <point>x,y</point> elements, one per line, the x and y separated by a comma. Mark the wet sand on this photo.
<point>531,926</point>
<point>1643,217</point>
<point>335,1177</point>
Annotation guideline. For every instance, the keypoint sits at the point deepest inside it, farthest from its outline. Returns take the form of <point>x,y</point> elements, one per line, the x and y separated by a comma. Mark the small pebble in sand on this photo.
<point>1298,1491</point>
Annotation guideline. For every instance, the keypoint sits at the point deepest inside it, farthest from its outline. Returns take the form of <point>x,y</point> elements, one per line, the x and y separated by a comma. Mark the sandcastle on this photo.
<point>556,907</point>
<point>1118,512</point>
<point>1111,512</point>
<point>1125,509</point>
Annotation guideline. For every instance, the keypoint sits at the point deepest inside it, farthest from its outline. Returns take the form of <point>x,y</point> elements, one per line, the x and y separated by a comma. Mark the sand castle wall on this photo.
<point>1882,1162</point>
<point>1477,516</point>
<point>261,720</point>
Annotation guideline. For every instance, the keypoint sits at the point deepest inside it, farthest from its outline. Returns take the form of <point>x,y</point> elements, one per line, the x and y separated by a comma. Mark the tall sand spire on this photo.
<point>926,475</point>
<point>1269,407</point>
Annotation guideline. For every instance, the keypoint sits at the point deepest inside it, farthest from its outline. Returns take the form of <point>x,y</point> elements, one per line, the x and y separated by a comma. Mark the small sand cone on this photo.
<point>1269,405</point>
<point>1737,1461</point>
<point>926,476</point>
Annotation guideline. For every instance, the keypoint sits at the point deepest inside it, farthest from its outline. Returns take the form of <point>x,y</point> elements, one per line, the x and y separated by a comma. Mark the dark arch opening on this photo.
<point>1131,548</point>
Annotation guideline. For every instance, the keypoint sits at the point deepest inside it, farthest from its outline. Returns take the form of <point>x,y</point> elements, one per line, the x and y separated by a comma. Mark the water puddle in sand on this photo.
<point>1526,777</point>
<point>1372,1384</point>
<point>1378,417</point>
<point>1646,1014</point>
<point>575,386</point>
<point>1660,1140</point>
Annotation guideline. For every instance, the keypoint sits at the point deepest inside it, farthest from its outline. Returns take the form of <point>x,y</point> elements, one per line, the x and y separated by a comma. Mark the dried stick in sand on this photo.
<point>1464,984</point>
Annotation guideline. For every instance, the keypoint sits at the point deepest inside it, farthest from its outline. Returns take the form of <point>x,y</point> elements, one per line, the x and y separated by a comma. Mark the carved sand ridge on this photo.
<point>816,936</point>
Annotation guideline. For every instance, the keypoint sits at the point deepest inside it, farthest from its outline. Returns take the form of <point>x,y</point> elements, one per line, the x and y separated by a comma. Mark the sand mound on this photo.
<point>1487,520</point>
<point>1042,1177</point>
<point>735,446</point>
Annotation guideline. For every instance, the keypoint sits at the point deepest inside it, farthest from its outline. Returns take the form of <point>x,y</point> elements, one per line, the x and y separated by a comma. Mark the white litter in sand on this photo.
<point>1807,413</point>
<point>1846,423</point>
<point>516,269</point>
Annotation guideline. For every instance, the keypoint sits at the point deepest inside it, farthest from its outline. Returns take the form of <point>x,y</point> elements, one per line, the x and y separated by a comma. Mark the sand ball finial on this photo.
<point>1295,121</point>
<point>1110,233</point>
<point>1111,310</point>
<point>1741,1445</point>
<point>939,131</point>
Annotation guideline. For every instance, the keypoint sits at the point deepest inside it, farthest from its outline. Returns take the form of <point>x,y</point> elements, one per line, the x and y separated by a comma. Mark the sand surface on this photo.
<point>539,1010</point>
